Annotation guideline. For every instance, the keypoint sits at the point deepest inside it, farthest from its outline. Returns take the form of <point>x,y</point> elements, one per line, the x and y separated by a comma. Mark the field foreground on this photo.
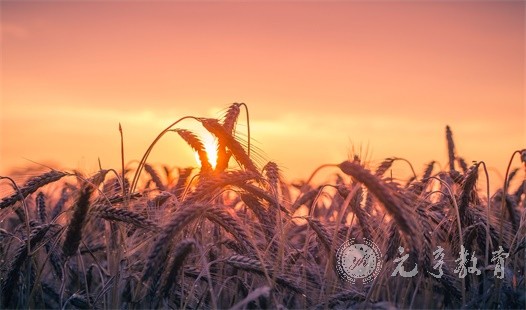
<point>220,236</point>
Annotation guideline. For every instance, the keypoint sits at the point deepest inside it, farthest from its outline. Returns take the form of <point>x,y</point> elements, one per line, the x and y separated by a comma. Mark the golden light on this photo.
<point>210,144</point>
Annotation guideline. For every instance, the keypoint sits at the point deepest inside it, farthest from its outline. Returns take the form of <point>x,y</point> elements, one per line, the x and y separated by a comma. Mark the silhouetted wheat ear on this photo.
<point>155,177</point>
<point>272,173</point>
<point>261,213</point>
<point>184,174</point>
<point>322,232</point>
<point>228,220</point>
<point>74,231</point>
<point>511,204</point>
<point>257,294</point>
<point>255,266</point>
<point>159,200</point>
<point>181,218</point>
<point>229,122</point>
<point>335,300</point>
<point>248,264</point>
<point>98,178</point>
<point>111,213</point>
<point>207,186</point>
<point>427,229</point>
<point>222,156</point>
<point>402,216</point>
<point>361,214</point>
<point>196,144</point>
<point>264,195</point>
<point>306,198</point>
<point>448,282</point>
<point>468,185</point>
<point>462,163</point>
<point>31,186</point>
<point>178,255</point>
<point>226,138</point>
<point>11,280</point>
<point>450,148</point>
<point>384,166</point>
<point>428,170</point>
<point>40,202</point>
<point>64,196</point>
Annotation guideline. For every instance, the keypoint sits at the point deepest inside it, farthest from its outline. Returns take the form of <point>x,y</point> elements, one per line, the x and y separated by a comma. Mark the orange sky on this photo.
<point>319,79</point>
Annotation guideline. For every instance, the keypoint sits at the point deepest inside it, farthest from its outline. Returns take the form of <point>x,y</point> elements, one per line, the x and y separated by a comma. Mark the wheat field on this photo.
<point>235,235</point>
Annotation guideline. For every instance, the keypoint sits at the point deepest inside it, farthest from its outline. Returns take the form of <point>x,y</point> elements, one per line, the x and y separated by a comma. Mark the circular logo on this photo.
<point>358,260</point>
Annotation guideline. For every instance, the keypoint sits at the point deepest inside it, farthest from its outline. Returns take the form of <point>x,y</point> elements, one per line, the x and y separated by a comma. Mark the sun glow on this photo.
<point>210,144</point>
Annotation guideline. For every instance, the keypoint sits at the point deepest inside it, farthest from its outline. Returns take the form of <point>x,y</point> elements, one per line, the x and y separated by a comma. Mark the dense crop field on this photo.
<point>234,234</point>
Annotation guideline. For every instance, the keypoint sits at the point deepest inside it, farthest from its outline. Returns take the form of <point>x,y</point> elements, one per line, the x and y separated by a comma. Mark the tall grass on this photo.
<point>239,236</point>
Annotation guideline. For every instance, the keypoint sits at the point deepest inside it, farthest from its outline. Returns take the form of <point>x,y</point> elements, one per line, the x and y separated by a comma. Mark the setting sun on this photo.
<point>210,144</point>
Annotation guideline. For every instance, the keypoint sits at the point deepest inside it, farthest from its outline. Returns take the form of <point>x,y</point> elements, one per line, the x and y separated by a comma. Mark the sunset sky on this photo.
<point>320,79</point>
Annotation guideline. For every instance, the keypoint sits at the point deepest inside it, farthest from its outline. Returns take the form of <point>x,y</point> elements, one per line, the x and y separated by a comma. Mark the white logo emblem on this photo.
<point>358,261</point>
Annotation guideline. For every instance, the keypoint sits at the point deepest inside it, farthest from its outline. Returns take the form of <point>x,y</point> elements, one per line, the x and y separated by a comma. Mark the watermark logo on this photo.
<point>358,260</point>
<point>364,261</point>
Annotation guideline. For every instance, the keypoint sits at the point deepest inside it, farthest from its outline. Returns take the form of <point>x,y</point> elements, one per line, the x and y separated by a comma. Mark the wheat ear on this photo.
<point>225,138</point>
<point>450,148</point>
<point>40,202</point>
<point>468,189</point>
<point>181,218</point>
<point>155,177</point>
<point>111,213</point>
<point>229,123</point>
<point>31,186</point>
<point>401,215</point>
<point>23,252</point>
<point>322,232</point>
<point>74,231</point>
<point>228,220</point>
<point>196,144</point>
<point>181,251</point>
